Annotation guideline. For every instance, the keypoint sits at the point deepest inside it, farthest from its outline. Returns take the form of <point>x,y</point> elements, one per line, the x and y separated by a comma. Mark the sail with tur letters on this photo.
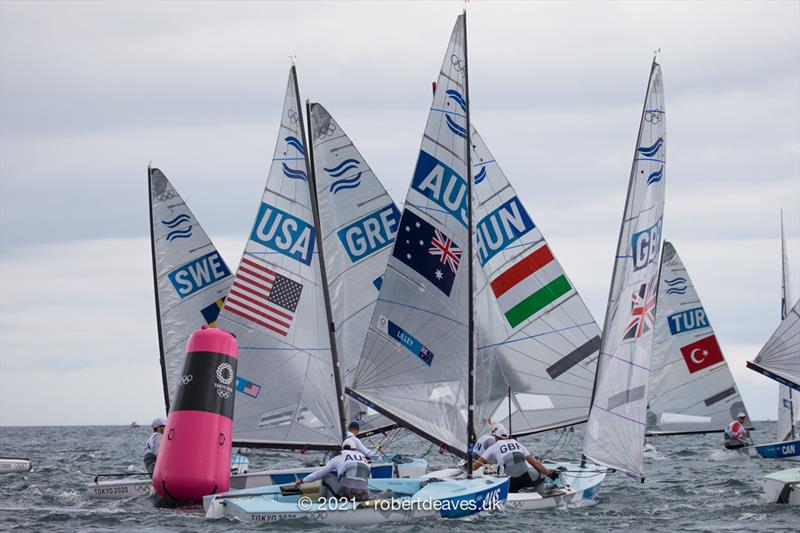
<point>358,224</point>
<point>414,367</point>
<point>288,377</point>
<point>617,420</point>
<point>536,337</point>
<point>691,386</point>
<point>190,278</point>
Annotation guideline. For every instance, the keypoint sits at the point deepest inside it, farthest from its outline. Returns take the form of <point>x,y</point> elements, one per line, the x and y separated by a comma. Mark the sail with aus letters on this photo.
<point>535,334</point>
<point>691,387</point>
<point>287,378</point>
<point>190,277</point>
<point>414,364</point>
<point>358,221</point>
<point>617,419</point>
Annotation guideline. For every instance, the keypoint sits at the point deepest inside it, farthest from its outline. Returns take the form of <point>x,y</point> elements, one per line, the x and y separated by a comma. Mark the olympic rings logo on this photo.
<point>223,394</point>
<point>185,380</point>
<point>169,195</point>
<point>652,118</point>
<point>319,515</point>
<point>326,131</point>
<point>459,65</point>
<point>294,118</point>
<point>225,373</point>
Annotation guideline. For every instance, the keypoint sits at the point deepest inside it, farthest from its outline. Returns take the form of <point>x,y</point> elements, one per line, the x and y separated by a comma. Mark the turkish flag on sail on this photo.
<point>702,354</point>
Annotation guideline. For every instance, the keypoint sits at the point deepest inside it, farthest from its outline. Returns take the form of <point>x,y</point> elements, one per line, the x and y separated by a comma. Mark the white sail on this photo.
<point>414,366</point>
<point>780,356</point>
<point>276,308</point>
<point>788,408</point>
<point>191,279</point>
<point>535,334</point>
<point>691,387</point>
<point>358,221</point>
<point>617,420</point>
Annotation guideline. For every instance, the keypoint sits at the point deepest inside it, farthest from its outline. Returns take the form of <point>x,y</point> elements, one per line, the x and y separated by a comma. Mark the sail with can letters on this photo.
<point>779,359</point>
<point>617,419</point>
<point>414,367</point>
<point>358,224</point>
<point>536,337</point>
<point>190,277</point>
<point>287,377</point>
<point>691,386</point>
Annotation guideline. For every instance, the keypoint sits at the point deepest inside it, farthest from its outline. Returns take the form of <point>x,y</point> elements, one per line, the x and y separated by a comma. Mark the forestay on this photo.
<point>414,364</point>
<point>191,279</point>
<point>691,387</point>
<point>535,333</point>
<point>358,221</point>
<point>617,420</point>
<point>287,385</point>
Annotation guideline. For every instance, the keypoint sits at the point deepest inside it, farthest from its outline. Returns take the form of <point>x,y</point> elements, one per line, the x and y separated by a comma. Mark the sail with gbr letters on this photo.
<point>414,364</point>
<point>287,384</point>
<point>535,333</point>
<point>358,222</point>
<point>617,419</point>
<point>691,386</point>
<point>190,278</point>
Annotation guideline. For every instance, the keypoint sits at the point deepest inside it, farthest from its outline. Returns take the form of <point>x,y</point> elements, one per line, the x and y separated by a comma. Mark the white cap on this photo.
<point>349,443</point>
<point>741,415</point>
<point>499,430</point>
<point>158,422</point>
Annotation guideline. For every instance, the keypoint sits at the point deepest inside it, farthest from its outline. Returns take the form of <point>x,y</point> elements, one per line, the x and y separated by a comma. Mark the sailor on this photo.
<point>153,444</point>
<point>515,459</point>
<point>345,476</point>
<point>352,434</point>
<point>736,435</point>
<point>485,441</point>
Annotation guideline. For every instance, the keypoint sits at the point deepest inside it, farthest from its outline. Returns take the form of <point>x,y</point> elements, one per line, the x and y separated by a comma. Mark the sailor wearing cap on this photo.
<point>736,435</point>
<point>345,476</point>
<point>515,459</point>
<point>484,442</point>
<point>153,444</point>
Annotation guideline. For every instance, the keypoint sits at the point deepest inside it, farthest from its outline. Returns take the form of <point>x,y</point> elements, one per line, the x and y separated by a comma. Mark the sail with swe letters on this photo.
<point>691,387</point>
<point>191,279</point>
<point>535,334</point>
<point>358,221</point>
<point>617,419</point>
<point>286,385</point>
<point>413,366</point>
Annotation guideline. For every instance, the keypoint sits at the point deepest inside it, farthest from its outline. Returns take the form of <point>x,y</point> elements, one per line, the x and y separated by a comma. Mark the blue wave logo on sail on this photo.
<point>480,176</point>
<point>457,98</point>
<point>295,143</point>
<point>676,286</point>
<point>294,174</point>
<point>347,182</point>
<point>650,151</point>
<point>655,177</point>
<point>455,127</point>
<point>178,233</point>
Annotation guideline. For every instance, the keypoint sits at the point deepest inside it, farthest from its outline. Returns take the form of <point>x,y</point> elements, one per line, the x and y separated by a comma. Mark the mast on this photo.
<point>161,358</point>
<point>312,185</point>
<point>784,311</point>
<point>470,280</point>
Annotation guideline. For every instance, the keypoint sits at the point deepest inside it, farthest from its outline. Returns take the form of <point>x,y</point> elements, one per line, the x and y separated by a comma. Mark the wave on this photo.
<point>295,142</point>
<point>183,233</point>
<point>346,183</point>
<point>345,166</point>
<point>480,176</point>
<point>456,96</point>
<point>677,290</point>
<point>294,174</point>
<point>655,177</point>
<point>455,127</point>
<point>650,151</point>
<point>675,281</point>
<point>180,219</point>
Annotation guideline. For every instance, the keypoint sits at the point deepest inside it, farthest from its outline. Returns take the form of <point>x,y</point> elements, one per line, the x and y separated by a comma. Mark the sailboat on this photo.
<point>443,289</point>
<point>691,386</point>
<point>617,420</point>
<point>779,359</point>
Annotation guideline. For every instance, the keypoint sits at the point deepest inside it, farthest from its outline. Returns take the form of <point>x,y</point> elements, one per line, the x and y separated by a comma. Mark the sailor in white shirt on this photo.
<point>515,459</point>
<point>484,442</point>
<point>352,433</point>
<point>153,444</point>
<point>345,476</point>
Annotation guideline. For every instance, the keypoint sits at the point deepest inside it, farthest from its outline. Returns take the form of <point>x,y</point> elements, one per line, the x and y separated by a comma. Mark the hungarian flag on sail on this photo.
<point>529,286</point>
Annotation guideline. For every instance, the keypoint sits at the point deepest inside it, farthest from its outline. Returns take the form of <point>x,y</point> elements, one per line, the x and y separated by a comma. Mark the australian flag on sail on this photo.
<point>428,251</point>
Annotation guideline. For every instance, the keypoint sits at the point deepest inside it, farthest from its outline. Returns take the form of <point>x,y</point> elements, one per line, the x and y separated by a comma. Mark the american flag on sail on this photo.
<point>643,306</point>
<point>261,295</point>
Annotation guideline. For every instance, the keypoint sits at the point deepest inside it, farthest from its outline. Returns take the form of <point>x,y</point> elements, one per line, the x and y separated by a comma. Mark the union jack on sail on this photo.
<point>443,246</point>
<point>643,306</point>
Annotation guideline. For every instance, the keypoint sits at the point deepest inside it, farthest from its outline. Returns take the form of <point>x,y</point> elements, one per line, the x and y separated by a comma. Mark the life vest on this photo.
<point>512,457</point>
<point>153,444</point>
<point>735,430</point>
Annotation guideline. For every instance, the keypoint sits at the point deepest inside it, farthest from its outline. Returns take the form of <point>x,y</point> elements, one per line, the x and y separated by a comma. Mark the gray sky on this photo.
<point>91,92</point>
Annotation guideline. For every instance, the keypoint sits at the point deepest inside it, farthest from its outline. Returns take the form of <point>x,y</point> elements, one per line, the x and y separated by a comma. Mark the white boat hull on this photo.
<point>783,486</point>
<point>14,464</point>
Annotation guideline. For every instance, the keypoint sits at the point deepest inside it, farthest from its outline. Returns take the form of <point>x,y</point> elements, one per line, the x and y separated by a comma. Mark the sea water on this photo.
<point>690,486</point>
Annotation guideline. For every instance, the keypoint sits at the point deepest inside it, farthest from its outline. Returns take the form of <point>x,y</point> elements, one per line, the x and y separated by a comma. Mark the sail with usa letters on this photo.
<point>191,279</point>
<point>691,386</point>
<point>276,308</point>
<point>535,334</point>
<point>617,419</point>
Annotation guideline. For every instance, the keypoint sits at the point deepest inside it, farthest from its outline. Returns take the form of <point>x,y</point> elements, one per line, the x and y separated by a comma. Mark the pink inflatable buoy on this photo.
<point>195,455</point>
